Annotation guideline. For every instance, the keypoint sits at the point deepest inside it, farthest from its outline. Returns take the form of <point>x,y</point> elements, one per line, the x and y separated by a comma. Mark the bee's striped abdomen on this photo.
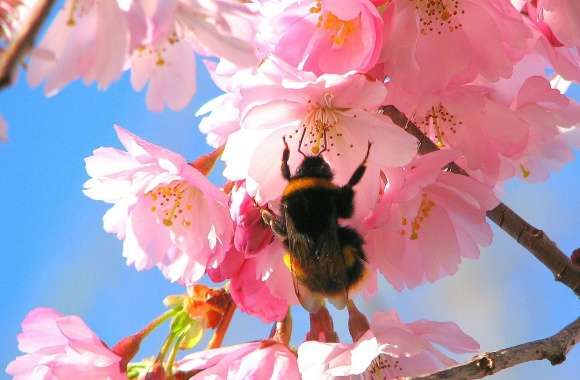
<point>305,183</point>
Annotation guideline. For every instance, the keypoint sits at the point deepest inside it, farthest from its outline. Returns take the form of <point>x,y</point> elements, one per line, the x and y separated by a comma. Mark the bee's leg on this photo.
<point>344,201</point>
<point>360,171</point>
<point>274,222</point>
<point>285,157</point>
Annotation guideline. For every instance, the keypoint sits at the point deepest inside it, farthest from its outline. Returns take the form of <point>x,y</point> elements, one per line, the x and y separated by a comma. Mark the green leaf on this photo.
<point>193,336</point>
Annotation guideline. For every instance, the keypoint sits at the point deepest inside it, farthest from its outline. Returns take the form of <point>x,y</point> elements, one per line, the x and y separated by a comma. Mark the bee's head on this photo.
<point>314,166</point>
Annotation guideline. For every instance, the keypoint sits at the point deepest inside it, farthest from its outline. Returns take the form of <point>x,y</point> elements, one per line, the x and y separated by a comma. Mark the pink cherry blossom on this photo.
<point>550,116</point>
<point>61,347</point>
<point>325,36</point>
<point>562,17</point>
<point>468,118</point>
<point>388,350</point>
<point>547,49</point>
<point>166,34</point>
<point>88,39</point>
<point>255,360</point>
<point>250,235</point>
<point>275,274</point>
<point>222,120</point>
<point>426,221</point>
<point>258,286</point>
<point>337,115</point>
<point>434,44</point>
<point>168,213</point>
<point>170,72</point>
<point>222,114</point>
<point>253,296</point>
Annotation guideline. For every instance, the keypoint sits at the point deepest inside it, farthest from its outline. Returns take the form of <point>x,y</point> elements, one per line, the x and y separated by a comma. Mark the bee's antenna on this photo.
<point>300,143</point>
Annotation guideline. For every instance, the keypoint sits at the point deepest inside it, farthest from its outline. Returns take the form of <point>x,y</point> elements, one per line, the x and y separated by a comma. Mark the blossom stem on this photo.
<point>282,330</point>
<point>158,322</point>
<point>24,40</point>
<point>165,348</point>
<point>322,327</point>
<point>220,331</point>
<point>534,240</point>
<point>173,355</point>
<point>553,348</point>
<point>129,346</point>
<point>358,323</point>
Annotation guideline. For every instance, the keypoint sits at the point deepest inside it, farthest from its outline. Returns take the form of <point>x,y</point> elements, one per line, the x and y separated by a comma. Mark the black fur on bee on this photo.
<point>325,258</point>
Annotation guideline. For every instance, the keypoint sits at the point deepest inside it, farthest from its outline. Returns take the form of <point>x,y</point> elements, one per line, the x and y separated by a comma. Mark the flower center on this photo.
<point>338,29</point>
<point>318,122</point>
<point>438,15</point>
<point>422,213</point>
<point>439,124</point>
<point>319,127</point>
<point>173,203</point>
<point>158,51</point>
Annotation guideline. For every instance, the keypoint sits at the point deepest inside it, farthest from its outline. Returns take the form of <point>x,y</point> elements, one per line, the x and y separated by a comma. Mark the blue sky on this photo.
<point>55,253</point>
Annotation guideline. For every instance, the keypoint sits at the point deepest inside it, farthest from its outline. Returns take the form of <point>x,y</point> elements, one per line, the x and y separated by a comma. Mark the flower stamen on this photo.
<point>423,213</point>
<point>339,29</point>
<point>173,203</point>
<point>438,15</point>
<point>439,124</point>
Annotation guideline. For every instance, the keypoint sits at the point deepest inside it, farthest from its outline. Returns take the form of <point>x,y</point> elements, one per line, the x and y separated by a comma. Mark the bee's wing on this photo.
<point>331,250</point>
<point>309,300</point>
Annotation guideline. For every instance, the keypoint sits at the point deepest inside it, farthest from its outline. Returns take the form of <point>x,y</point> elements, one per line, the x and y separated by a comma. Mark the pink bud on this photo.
<point>127,348</point>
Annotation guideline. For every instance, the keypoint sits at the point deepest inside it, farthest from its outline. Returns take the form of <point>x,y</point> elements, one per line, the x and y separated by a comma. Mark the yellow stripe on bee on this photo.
<point>292,265</point>
<point>350,256</point>
<point>307,183</point>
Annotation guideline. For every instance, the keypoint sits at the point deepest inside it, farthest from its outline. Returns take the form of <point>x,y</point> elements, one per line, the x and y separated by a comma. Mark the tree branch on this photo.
<point>553,349</point>
<point>23,40</point>
<point>528,236</point>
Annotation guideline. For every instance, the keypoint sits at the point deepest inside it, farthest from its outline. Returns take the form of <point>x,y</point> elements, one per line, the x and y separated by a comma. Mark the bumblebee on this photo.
<point>325,258</point>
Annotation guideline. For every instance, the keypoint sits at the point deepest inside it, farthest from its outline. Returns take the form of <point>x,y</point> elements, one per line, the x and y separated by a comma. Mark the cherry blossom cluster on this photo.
<point>485,80</point>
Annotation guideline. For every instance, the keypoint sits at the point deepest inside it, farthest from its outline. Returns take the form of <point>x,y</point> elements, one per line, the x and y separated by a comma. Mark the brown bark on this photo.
<point>553,349</point>
<point>23,41</point>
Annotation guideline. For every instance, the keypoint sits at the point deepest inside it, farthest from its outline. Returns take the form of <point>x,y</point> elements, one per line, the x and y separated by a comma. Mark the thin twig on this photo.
<point>220,332</point>
<point>528,236</point>
<point>23,41</point>
<point>553,349</point>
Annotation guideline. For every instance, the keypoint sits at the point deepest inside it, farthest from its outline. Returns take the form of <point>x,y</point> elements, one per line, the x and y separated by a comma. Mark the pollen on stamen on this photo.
<point>319,124</point>
<point>439,124</point>
<point>172,204</point>
<point>71,21</point>
<point>525,171</point>
<point>385,367</point>
<point>160,61</point>
<point>339,29</point>
<point>438,16</point>
<point>423,212</point>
